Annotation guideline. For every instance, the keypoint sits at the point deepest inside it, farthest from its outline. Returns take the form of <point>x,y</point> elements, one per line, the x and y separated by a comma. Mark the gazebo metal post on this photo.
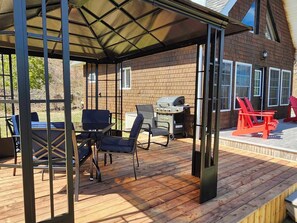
<point>87,89</point>
<point>96,87</point>
<point>21,47</point>
<point>116,95</point>
<point>121,97</point>
<point>48,117</point>
<point>67,110</point>
<point>205,160</point>
<point>106,85</point>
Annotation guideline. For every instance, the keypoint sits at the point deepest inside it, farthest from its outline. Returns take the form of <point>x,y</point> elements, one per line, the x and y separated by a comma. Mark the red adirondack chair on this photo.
<point>293,105</point>
<point>245,124</point>
<point>251,109</point>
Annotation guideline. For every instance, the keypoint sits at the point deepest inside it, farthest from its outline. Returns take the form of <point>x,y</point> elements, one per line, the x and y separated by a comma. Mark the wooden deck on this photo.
<point>165,190</point>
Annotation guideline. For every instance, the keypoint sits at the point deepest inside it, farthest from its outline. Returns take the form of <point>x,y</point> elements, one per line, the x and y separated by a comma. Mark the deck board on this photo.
<point>165,190</point>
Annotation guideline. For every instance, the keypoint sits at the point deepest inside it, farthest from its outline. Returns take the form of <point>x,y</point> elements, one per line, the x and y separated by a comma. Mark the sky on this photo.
<point>201,2</point>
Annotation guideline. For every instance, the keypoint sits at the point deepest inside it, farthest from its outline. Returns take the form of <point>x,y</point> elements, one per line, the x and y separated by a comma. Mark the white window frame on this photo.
<point>123,78</point>
<point>230,88</point>
<point>235,76</point>
<point>90,78</point>
<point>279,74</point>
<point>260,84</point>
<point>281,87</point>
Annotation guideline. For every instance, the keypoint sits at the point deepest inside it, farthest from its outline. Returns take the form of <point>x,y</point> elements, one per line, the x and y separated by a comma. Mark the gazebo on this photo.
<point>110,32</point>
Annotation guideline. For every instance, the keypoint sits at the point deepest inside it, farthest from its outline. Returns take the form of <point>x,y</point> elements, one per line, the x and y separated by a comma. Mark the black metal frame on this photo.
<point>22,53</point>
<point>205,154</point>
<point>206,151</point>
<point>7,99</point>
<point>118,92</point>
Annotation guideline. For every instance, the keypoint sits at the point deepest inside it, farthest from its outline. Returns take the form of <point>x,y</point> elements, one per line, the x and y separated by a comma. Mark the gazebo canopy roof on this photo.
<point>116,30</point>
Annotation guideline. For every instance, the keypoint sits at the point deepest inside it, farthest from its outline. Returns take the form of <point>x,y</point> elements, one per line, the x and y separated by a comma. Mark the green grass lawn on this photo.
<point>58,116</point>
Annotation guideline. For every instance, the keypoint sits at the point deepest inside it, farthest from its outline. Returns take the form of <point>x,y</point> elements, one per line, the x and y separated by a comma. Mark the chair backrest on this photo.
<point>57,141</point>
<point>293,102</point>
<point>148,114</point>
<point>40,144</point>
<point>96,116</point>
<point>244,109</point>
<point>16,122</point>
<point>136,128</point>
<point>250,108</point>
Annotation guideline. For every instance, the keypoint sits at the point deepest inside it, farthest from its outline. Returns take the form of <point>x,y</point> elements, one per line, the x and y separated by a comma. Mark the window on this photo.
<point>285,87</point>
<point>243,76</point>
<point>270,30</point>
<point>251,17</point>
<point>92,78</point>
<point>257,82</point>
<point>226,85</point>
<point>126,78</point>
<point>273,87</point>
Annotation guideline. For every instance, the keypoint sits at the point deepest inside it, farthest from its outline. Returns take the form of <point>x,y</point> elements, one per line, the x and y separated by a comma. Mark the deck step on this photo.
<point>266,150</point>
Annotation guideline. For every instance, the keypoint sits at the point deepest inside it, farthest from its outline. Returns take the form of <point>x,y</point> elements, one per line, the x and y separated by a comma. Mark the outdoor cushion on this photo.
<point>116,144</point>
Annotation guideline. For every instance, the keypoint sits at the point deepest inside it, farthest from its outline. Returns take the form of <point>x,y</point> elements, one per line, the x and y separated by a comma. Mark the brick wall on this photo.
<point>248,47</point>
<point>173,72</point>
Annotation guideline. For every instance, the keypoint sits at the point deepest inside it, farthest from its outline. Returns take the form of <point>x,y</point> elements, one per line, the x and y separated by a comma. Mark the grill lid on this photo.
<point>165,102</point>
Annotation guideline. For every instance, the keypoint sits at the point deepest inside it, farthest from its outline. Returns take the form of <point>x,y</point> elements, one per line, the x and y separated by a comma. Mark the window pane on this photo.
<point>225,85</point>
<point>270,29</point>
<point>286,84</point>
<point>243,81</point>
<point>257,83</point>
<point>273,87</point>
<point>249,18</point>
<point>127,78</point>
<point>92,77</point>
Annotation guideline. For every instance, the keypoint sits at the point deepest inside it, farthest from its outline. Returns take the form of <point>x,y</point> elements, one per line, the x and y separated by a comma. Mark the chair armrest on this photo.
<point>148,128</point>
<point>265,111</point>
<point>262,114</point>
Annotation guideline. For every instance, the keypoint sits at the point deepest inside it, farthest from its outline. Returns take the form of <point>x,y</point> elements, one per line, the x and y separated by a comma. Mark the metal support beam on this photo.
<point>67,111</point>
<point>205,151</point>
<point>21,45</point>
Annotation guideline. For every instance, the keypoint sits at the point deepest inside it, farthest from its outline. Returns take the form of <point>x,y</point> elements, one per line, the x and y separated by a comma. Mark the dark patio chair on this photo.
<point>152,125</point>
<point>95,116</point>
<point>13,126</point>
<point>81,151</point>
<point>121,145</point>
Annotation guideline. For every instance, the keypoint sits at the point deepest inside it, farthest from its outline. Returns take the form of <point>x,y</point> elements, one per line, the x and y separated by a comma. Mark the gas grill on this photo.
<point>171,109</point>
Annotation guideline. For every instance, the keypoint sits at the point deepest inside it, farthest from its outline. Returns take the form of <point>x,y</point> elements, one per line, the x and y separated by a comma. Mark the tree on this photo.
<point>36,72</point>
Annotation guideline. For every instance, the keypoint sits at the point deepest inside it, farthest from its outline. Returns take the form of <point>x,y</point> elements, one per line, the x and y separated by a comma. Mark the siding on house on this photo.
<point>173,72</point>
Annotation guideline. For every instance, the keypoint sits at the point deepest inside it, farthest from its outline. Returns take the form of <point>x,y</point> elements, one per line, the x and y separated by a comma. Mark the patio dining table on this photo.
<point>90,129</point>
<point>93,131</point>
